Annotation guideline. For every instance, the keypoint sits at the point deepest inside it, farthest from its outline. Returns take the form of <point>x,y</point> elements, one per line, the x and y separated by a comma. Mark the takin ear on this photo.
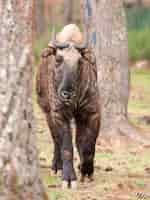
<point>89,55</point>
<point>48,51</point>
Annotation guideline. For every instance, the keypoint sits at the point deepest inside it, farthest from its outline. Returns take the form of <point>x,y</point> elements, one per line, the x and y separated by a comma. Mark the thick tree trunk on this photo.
<point>68,11</point>
<point>19,168</point>
<point>112,54</point>
<point>112,60</point>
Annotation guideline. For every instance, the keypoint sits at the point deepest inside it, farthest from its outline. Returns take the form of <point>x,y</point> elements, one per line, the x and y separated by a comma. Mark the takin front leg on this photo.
<point>87,133</point>
<point>68,173</point>
<point>63,152</point>
<point>57,140</point>
<point>57,160</point>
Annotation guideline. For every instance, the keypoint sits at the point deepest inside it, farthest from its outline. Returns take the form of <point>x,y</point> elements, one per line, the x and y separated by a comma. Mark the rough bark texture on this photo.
<point>19,176</point>
<point>111,47</point>
<point>112,54</point>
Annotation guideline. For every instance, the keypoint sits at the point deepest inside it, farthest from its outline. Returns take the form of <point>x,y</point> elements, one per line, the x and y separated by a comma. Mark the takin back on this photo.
<point>67,89</point>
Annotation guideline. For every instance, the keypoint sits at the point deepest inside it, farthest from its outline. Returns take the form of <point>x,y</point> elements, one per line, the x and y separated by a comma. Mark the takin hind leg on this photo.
<point>86,140</point>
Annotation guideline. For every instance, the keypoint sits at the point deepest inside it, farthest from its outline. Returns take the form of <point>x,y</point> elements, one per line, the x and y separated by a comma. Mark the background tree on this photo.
<point>40,17</point>
<point>19,171</point>
<point>110,42</point>
<point>68,11</point>
<point>139,2</point>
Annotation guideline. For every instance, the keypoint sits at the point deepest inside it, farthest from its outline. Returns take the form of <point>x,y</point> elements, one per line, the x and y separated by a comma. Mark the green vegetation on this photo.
<point>138,21</point>
<point>138,18</point>
<point>140,184</point>
<point>51,180</point>
<point>104,155</point>
<point>40,44</point>
<point>43,41</point>
<point>139,44</point>
<point>140,89</point>
<point>54,195</point>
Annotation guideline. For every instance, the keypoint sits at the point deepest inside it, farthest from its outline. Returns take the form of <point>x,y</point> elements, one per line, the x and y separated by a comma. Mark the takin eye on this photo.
<point>59,60</point>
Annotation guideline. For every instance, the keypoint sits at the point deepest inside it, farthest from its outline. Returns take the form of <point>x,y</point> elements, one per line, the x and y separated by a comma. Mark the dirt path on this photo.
<point>118,176</point>
<point>123,175</point>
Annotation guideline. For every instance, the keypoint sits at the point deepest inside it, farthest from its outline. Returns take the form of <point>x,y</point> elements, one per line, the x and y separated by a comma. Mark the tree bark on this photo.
<point>68,11</point>
<point>139,3</point>
<point>40,17</point>
<point>19,167</point>
<point>112,54</point>
<point>132,3</point>
<point>111,47</point>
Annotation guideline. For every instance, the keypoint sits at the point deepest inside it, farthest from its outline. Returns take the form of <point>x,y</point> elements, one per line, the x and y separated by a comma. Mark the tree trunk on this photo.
<point>40,17</point>
<point>111,48</point>
<point>139,3</point>
<point>68,11</point>
<point>112,54</point>
<point>19,168</point>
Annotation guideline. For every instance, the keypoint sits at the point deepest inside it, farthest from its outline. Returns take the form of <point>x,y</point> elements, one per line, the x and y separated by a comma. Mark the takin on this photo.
<point>67,89</point>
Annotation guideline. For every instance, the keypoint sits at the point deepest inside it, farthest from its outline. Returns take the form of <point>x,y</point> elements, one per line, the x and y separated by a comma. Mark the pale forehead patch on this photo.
<point>70,55</point>
<point>70,33</point>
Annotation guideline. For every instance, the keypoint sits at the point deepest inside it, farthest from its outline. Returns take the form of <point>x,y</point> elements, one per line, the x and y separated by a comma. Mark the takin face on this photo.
<point>66,73</point>
<point>68,57</point>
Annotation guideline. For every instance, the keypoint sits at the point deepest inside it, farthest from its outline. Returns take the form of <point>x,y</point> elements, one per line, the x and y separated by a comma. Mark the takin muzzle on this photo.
<point>67,71</point>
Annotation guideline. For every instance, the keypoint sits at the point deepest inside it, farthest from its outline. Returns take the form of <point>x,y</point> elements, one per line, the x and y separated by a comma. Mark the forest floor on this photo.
<point>120,175</point>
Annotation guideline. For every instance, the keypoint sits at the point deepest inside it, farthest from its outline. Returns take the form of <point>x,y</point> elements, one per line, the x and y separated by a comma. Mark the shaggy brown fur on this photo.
<point>85,109</point>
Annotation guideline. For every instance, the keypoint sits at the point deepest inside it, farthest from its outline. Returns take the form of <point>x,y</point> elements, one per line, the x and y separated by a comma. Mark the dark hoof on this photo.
<point>69,177</point>
<point>82,179</point>
<point>87,169</point>
<point>58,174</point>
<point>90,178</point>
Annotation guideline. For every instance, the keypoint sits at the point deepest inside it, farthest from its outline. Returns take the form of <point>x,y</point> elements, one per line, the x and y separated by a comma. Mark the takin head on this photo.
<point>68,58</point>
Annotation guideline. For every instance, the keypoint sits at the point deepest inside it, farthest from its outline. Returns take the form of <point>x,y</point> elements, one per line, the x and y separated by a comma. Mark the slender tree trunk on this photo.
<point>19,168</point>
<point>40,17</point>
<point>133,3</point>
<point>68,11</point>
<point>139,3</point>
<point>111,48</point>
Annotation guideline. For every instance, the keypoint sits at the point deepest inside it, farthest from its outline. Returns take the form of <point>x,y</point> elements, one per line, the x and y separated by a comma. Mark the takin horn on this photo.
<point>85,43</point>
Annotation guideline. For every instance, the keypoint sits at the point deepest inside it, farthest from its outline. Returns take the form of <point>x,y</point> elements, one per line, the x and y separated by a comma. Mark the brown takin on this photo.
<point>67,89</point>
